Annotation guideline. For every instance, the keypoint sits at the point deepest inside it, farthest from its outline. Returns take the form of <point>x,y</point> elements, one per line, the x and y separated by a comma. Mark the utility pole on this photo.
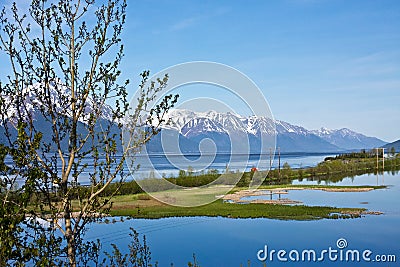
<point>270,158</point>
<point>383,166</point>
<point>377,159</point>
<point>279,162</point>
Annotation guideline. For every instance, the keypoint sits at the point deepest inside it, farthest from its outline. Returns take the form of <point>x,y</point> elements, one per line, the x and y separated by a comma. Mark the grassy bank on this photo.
<point>332,170</point>
<point>154,210</point>
<point>267,187</point>
<point>133,202</point>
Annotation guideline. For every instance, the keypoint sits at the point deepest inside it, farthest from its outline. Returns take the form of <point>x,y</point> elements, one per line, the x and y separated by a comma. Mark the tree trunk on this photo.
<point>69,233</point>
<point>70,238</point>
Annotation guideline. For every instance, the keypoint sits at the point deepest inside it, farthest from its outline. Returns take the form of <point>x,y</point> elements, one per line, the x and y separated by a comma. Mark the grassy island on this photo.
<point>133,202</point>
<point>154,210</point>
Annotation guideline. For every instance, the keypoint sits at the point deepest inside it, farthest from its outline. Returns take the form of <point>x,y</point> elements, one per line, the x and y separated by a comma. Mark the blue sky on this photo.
<point>319,63</point>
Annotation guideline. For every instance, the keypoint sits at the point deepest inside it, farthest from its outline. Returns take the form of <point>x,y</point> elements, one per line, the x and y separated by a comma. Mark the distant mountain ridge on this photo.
<point>60,95</point>
<point>395,144</point>
<point>348,139</point>
<point>223,128</point>
<point>61,99</point>
<point>227,130</point>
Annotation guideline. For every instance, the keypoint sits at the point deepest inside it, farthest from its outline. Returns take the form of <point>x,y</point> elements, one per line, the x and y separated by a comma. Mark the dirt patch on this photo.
<point>282,201</point>
<point>365,212</point>
<point>364,189</point>
<point>237,196</point>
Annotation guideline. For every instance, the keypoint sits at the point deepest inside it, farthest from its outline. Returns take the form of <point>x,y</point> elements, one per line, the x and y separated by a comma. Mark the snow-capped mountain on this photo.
<point>229,131</point>
<point>60,96</point>
<point>35,104</point>
<point>201,125</point>
<point>348,139</point>
<point>284,127</point>
<point>227,128</point>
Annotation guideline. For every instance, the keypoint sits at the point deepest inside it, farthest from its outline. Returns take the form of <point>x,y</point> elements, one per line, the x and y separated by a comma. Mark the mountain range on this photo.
<point>229,132</point>
<point>395,145</point>
<point>60,97</point>
<point>228,129</point>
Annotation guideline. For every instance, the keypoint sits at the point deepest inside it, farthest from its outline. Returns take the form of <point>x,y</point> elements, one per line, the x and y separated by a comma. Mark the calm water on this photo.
<point>381,200</point>
<point>161,165</point>
<point>165,164</point>
<point>230,242</point>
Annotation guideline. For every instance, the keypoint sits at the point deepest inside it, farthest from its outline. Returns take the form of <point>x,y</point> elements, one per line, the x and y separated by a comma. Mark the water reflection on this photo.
<point>231,242</point>
<point>370,200</point>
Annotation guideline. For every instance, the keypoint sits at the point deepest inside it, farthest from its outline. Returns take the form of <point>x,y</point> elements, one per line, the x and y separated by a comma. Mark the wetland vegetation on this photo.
<point>132,201</point>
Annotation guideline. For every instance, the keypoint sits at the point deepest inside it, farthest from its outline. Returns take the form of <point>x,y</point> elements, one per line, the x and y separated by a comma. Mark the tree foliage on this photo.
<point>61,110</point>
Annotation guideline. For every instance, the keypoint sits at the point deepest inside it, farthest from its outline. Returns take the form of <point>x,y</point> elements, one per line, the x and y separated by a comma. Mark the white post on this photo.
<point>383,173</point>
<point>270,159</point>
<point>279,162</point>
<point>377,166</point>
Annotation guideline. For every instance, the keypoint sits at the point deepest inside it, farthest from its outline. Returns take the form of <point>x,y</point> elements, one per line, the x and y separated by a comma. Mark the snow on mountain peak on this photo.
<point>347,139</point>
<point>283,127</point>
<point>223,122</point>
<point>201,125</point>
<point>342,132</point>
<point>346,131</point>
<point>323,131</point>
<point>214,121</point>
<point>60,99</point>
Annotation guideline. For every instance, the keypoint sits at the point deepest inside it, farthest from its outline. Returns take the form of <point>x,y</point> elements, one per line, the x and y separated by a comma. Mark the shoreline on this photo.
<point>283,209</point>
<point>236,197</point>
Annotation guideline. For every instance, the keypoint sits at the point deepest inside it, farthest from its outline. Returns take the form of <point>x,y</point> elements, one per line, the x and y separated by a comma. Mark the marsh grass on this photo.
<point>230,210</point>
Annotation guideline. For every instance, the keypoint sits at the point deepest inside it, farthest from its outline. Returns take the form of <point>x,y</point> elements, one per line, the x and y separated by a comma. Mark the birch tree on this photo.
<point>62,107</point>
